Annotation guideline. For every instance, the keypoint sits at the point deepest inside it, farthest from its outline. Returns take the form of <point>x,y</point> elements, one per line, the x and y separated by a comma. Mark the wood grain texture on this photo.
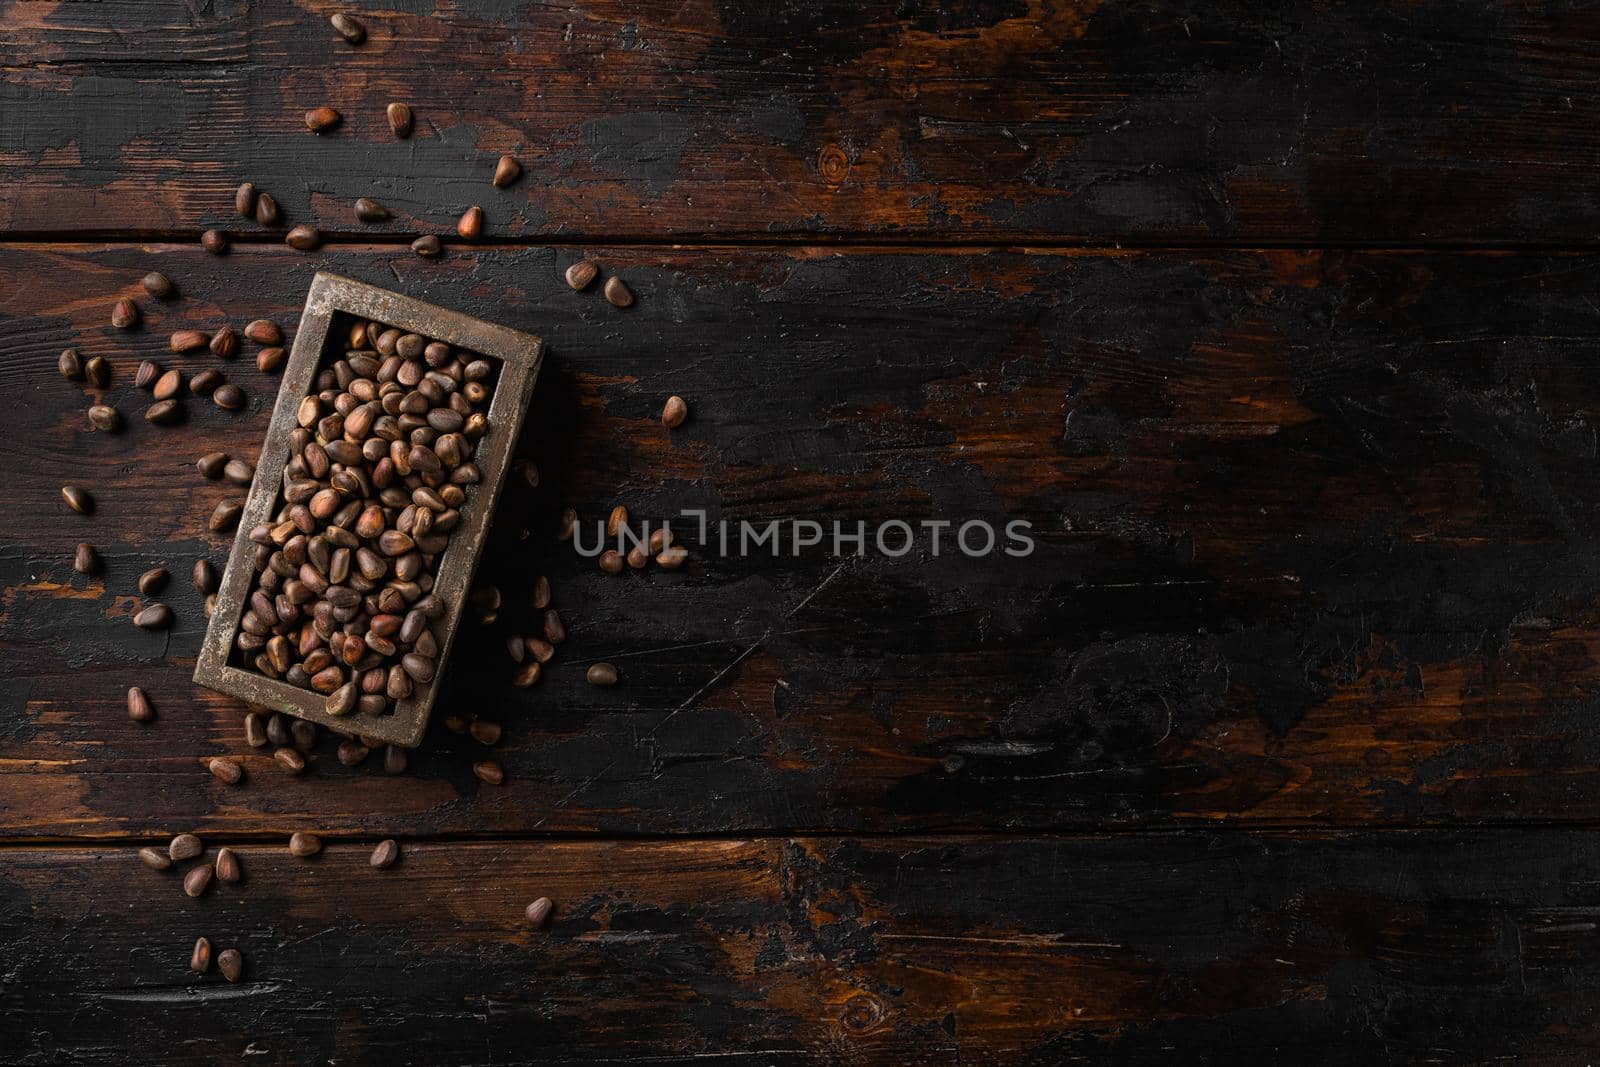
<point>1278,748</point>
<point>1393,948</point>
<point>1419,122</point>
<point>1315,546</point>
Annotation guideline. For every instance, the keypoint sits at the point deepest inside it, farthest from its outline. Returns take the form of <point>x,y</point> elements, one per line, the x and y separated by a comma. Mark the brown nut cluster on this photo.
<point>379,469</point>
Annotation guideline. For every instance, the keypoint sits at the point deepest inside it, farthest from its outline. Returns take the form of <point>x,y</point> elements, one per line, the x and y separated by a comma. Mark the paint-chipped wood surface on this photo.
<point>1205,946</point>
<point>1311,535</point>
<point>1279,746</point>
<point>1431,121</point>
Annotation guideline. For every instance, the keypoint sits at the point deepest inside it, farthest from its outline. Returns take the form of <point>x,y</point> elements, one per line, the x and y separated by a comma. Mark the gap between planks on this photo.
<point>1269,831</point>
<point>842,242</point>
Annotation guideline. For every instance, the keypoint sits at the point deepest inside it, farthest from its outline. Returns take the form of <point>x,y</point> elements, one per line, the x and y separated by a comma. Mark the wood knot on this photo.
<point>862,1012</point>
<point>833,163</point>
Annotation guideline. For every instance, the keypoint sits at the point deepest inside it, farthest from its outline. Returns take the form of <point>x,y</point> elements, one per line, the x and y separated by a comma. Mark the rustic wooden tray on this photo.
<point>519,354</point>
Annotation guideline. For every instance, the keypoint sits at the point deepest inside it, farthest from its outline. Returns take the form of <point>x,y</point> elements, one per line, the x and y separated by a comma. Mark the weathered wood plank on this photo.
<point>1314,545</point>
<point>1433,121</point>
<point>1391,947</point>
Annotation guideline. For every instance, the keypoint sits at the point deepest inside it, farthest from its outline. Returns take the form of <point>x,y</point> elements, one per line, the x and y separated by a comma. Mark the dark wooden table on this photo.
<point>1279,323</point>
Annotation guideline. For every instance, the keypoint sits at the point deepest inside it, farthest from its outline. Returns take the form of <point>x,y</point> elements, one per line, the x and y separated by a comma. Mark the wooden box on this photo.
<point>331,304</point>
